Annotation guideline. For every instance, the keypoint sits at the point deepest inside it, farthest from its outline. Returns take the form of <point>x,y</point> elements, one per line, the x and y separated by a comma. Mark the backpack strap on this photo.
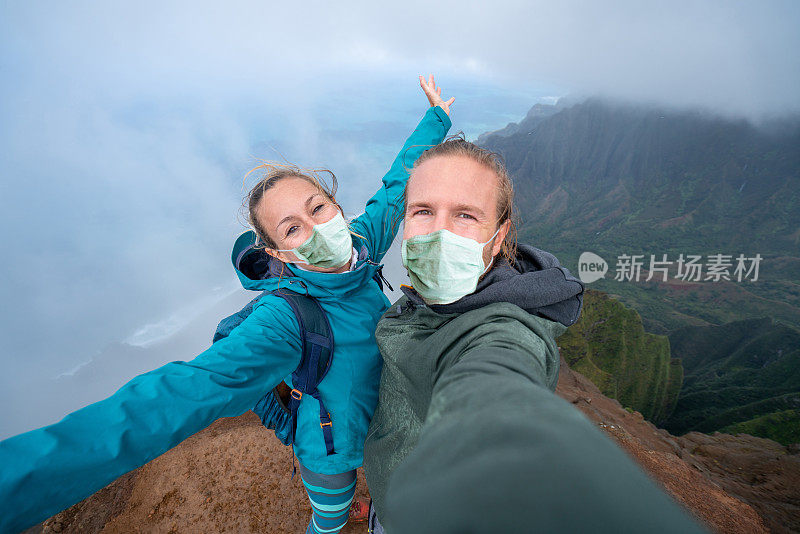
<point>316,337</point>
<point>378,277</point>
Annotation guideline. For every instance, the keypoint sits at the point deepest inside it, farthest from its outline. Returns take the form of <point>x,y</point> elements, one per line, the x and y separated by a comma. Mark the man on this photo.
<point>468,435</point>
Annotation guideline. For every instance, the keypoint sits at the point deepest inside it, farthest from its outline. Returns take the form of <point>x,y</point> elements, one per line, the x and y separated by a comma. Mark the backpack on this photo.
<point>316,338</point>
<point>277,411</point>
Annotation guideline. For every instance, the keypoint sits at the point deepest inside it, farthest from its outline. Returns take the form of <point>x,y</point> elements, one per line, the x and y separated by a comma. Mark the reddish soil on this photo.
<point>234,477</point>
<point>704,473</point>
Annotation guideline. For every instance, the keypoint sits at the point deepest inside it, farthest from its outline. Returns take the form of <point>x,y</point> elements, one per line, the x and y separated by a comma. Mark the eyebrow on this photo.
<point>417,205</point>
<point>309,200</point>
<point>473,209</point>
<point>460,207</point>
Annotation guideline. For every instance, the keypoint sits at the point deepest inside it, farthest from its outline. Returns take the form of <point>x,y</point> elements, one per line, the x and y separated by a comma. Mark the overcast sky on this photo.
<point>126,130</point>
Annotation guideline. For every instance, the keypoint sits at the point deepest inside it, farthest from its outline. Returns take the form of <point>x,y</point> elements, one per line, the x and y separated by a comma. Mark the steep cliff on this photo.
<point>609,346</point>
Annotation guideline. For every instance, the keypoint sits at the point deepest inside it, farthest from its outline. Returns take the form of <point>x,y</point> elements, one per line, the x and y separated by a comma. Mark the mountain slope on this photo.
<point>696,175</point>
<point>609,345</point>
<point>739,375</point>
<point>622,179</point>
<point>233,476</point>
<point>617,179</point>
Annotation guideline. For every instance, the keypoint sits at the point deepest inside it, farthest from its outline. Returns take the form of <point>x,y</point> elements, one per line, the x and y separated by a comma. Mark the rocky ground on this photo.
<point>234,477</point>
<point>732,483</point>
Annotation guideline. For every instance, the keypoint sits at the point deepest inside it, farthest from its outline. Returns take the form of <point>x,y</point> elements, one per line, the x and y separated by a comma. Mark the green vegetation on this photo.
<point>783,427</point>
<point>734,373</point>
<point>618,180</point>
<point>610,347</point>
<point>615,180</point>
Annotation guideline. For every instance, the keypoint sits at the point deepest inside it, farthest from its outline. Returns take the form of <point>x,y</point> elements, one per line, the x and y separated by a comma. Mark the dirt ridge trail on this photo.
<point>234,477</point>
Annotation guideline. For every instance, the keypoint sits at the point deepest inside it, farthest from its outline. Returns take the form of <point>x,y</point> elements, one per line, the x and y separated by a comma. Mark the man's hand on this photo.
<point>434,94</point>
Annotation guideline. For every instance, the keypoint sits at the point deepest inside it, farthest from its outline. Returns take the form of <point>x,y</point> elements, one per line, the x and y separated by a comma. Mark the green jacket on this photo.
<point>468,435</point>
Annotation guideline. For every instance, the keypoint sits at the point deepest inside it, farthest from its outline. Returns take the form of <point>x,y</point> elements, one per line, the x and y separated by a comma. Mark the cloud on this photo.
<point>127,127</point>
<point>733,56</point>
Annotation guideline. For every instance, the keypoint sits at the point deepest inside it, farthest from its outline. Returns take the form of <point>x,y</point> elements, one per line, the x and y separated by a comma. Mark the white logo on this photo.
<point>591,267</point>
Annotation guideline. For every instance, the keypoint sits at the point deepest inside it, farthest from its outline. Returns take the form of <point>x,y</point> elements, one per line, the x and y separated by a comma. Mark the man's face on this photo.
<point>457,194</point>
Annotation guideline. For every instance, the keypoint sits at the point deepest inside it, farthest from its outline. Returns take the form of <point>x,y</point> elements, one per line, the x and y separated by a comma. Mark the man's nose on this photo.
<point>442,221</point>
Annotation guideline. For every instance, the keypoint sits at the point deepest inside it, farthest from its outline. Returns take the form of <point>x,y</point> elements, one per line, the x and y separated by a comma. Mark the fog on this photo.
<point>126,131</point>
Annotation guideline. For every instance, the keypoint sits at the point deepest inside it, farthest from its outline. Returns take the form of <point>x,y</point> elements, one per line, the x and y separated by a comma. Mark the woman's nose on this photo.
<point>307,227</point>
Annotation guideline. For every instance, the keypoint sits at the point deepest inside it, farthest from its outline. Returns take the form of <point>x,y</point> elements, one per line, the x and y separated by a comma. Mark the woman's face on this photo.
<point>454,193</point>
<point>288,212</point>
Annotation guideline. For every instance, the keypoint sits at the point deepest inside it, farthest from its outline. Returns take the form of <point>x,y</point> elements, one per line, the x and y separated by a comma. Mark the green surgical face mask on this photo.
<point>444,266</point>
<point>329,245</point>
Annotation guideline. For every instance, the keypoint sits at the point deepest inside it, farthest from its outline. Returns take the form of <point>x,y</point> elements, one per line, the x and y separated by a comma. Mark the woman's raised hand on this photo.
<point>434,94</point>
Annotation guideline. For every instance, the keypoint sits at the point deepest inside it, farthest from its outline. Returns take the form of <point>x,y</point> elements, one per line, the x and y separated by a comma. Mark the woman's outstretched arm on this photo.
<point>381,218</point>
<point>49,469</point>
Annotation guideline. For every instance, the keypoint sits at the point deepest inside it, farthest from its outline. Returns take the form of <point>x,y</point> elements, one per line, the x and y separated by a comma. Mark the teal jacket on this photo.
<point>47,470</point>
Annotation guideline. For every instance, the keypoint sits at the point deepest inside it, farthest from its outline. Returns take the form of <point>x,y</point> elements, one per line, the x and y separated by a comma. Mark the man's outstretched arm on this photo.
<point>499,452</point>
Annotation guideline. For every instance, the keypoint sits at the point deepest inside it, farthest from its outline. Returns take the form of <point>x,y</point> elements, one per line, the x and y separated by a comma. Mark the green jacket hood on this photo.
<point>258,271</point>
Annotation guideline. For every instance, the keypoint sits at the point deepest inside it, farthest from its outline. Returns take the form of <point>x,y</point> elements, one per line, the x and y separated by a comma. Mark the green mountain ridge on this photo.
<point>618,176</point>
<point>619,179</point>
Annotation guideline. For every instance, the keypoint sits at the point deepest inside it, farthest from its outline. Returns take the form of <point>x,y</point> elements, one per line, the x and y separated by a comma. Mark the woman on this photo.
<point>299,226</point>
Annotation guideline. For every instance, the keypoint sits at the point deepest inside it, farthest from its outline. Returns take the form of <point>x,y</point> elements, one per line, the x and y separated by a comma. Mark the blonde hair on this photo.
<point>457,145</point>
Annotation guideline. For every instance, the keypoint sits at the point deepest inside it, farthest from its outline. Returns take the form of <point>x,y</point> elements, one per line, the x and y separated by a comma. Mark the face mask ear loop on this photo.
<point>493,236</point>
<point>488,266</point>
<point>293,252</point>
<point>492,260</point>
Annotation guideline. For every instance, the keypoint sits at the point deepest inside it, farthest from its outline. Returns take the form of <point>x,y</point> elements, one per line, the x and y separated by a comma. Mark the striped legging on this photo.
<point>330,496</point>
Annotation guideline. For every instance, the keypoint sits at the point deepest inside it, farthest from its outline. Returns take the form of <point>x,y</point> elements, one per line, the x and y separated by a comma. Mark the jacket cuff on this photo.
<point>443,117</point>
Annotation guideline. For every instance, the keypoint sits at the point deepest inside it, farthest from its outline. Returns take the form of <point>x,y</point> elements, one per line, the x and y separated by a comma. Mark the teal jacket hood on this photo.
<point>258,271</point>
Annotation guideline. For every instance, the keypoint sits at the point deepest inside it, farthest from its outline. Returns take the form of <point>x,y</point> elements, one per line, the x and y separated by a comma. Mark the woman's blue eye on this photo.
<point>466,215</point>
<point>422,212</point>
<point>291,230</point>
<point>318,208</point>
